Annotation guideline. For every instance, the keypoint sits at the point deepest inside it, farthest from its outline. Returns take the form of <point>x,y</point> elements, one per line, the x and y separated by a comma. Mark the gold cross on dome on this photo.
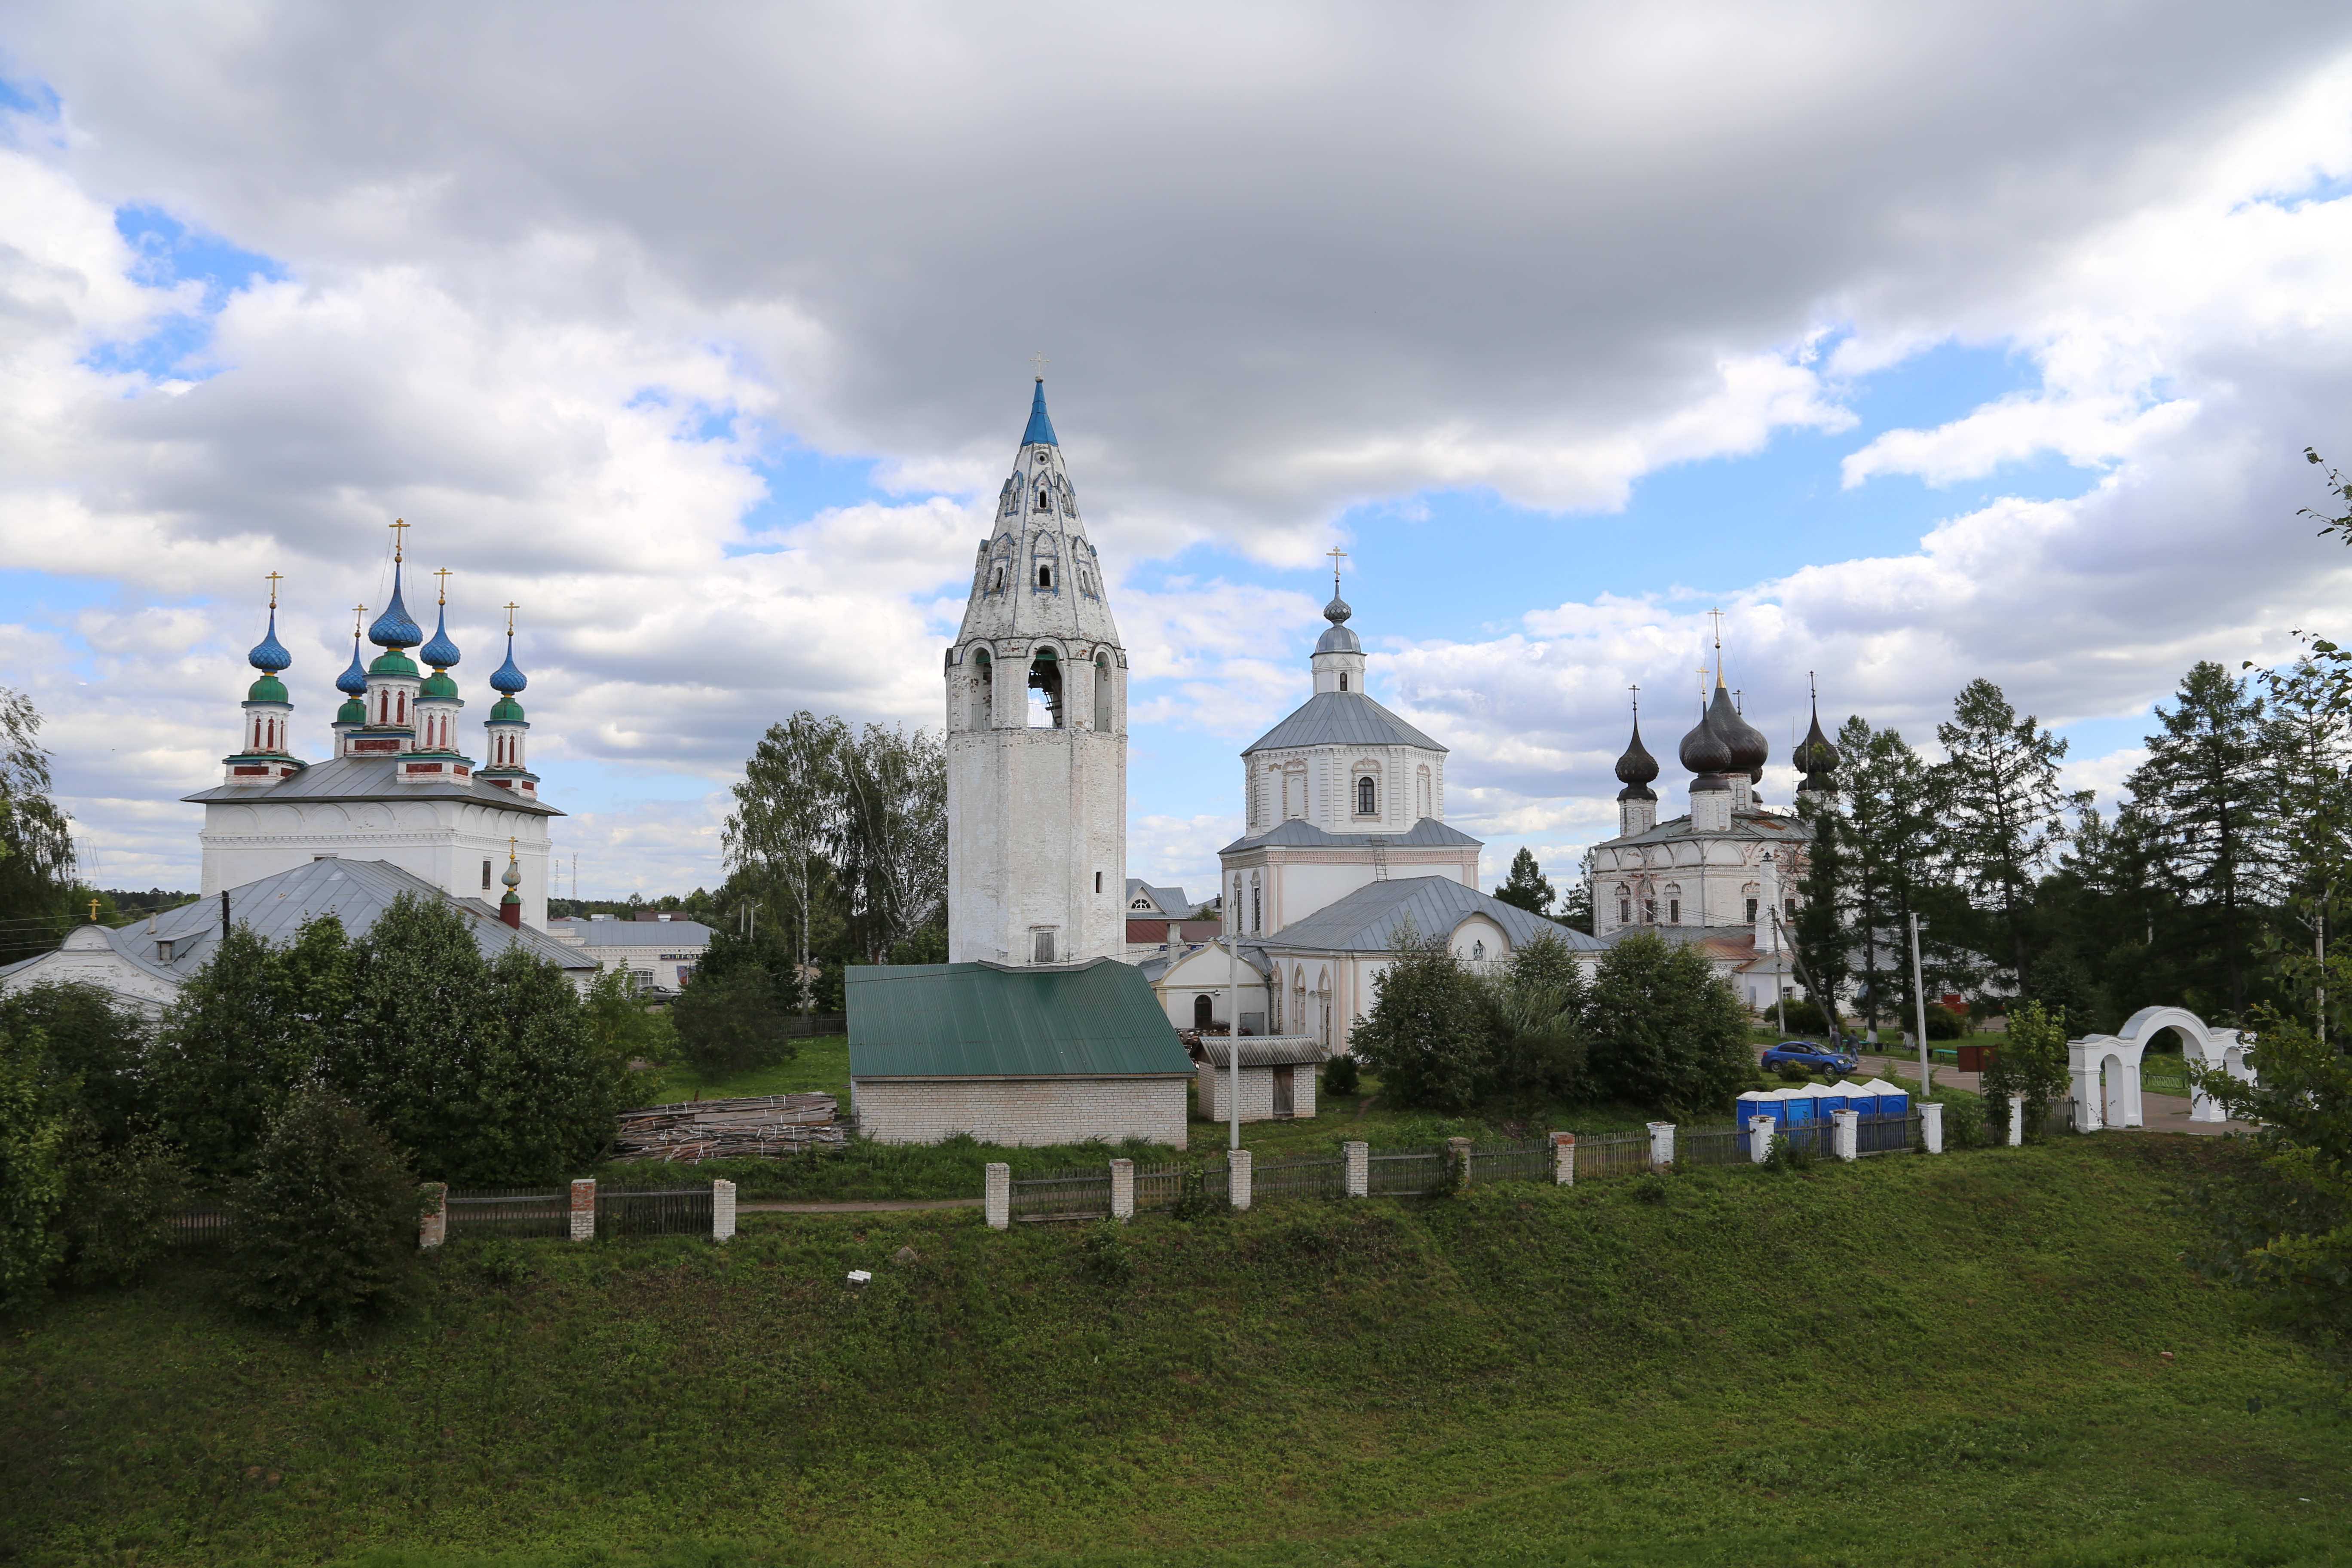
<point>275,578</point>
<point>398,537</point>
<point>1636,689</point>
<point>510,610</point>
<point>1040,362</point>
<point>1337,555</point>
<point>359,614</point>
<point>93,911</point>
<point>1717,616</point>
<point>1702,685</point>
<point>444,575</point>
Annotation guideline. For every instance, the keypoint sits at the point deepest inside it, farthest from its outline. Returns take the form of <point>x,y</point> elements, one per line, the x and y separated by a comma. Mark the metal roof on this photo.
<point>1770,826</point>
<point>355,891</point>
<point>1171,900</point>
<point>1367,920</point>
<point>1262,1051</point>
<point>1297,833</point>
<point>1341,718</point>
<point>366,778</point>
<point>634,933</point>
<point>984,1020</point>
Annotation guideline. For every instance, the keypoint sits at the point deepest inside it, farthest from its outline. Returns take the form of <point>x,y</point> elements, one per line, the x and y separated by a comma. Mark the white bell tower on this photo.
<point>1036,731</point>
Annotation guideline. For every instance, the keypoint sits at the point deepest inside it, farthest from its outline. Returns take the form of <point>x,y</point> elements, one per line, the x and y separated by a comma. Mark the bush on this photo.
<point>1943,1024</point>
<point>1107,1255</point>
<point>32,1173</point>
<point>1666,1032</point>
<point>1803,1018</point>
<point>324,1231</point>
<point>1340,1075</point>
<point>1426,1034</point>
<point>119,1206</point>
<point>730,1023</point>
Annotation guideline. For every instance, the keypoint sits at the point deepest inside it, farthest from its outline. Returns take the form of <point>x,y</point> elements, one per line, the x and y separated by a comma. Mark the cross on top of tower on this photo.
<point>275,578</point>
<point>1717,616</point>
<point>359,618</point>
<point>1040,362</point>
<point>443,572</point>
<point>398,537</point>
<point>1636,689</point>
<point>1337,555</point>
<point>510,610</point>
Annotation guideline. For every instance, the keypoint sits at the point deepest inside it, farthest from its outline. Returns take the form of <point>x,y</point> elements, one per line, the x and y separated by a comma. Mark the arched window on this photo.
<point>1367,797</point>
<point>1423,788</point>
<point>1044,497</point>
<point>1046,691</point>
<point>1045,575</point>
<point>403,709</point>
<point>1343,680</point>
<point>997,585</point>
<point>1102,693</point>
<point>1201,1011</point>
<point>1257,906</point>
<point>1286,809</point>
<point>983,690</point>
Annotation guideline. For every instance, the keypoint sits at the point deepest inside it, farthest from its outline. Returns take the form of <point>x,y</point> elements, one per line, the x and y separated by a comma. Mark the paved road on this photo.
<point>2162,1112</point>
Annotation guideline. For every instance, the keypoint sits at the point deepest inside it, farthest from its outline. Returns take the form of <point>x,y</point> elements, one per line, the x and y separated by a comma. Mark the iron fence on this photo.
<point>1612,1154</point>
<point>1895,1133</point>
<point>1299,1179</point>
<point>517,1212</point>
<point>1406,1172</point>
<point>1511,1162</point>
<point>652,1211</point>
<point>1714,1145</point>
<point>201,1225</point>
<point>1048,1195</point>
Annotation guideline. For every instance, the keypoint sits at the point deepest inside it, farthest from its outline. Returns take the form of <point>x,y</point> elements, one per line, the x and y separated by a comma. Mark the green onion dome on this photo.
<point>438,684</point>
<point>353,712</point>
<point>268,689</point>
<point>507,711</point>
<point>392,661</point>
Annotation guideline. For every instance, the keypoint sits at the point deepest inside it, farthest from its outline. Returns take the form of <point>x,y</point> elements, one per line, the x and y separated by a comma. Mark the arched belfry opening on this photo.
<point>1102,691</point>
<point>1045,691</point>
<point>984,690</point>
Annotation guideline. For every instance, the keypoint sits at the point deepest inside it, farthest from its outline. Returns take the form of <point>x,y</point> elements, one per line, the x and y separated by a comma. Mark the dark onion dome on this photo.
<point>508,678</point>
<point>1705,751</point>
<point>440,653</point>
<point>1816,755</point>
<point>1636,768</point>
<point>395,627</point>
<point>352,682</point>
<point>269,655</point>
<point>1339,639</point>
<point>1749,748</point>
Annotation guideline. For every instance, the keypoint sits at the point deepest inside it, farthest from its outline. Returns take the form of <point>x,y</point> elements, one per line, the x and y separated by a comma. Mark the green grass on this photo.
<point>1909,1360</point>
<point>821,1065</point>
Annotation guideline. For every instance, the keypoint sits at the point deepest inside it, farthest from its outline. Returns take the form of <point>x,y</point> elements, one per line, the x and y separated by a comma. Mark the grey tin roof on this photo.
<point>1367,920</point>
<point>1770,826</point>
<point>355,891</point>
<point>1297,833</point>
<point>1262,1050</point>
<point>1171,900</point>
<point>638,933</point>
<point>1341,718</point>
<point>365,778</point>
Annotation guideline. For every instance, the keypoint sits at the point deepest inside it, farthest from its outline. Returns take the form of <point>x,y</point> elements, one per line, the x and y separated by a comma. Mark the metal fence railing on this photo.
<point>1299,1179</point>
<point>1723,1145</point>
<point>1511,1162</point>
<point>517,1212</point>
<point>1894,1134</point>
<point>653,1211</point>
<point>1612,1154</point>
<point>201,1225</point>
<point>1081,1194</point>
<point>1406,1172</point>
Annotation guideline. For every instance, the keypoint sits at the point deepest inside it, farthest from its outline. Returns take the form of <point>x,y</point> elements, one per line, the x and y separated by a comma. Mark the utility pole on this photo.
<point>1919,1000</point>
<point>1232,1032</point>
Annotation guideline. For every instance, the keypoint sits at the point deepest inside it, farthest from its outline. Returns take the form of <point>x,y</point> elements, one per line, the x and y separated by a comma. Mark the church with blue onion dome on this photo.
<point>399,786</point>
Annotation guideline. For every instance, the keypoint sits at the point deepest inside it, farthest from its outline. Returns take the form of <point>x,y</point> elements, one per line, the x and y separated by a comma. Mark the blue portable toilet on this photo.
<point>1802,1104</point>
<point>1831,1097</point>
<point>1894,1100</point>
<point>1771,1102</point>
<point>1859,1097</point>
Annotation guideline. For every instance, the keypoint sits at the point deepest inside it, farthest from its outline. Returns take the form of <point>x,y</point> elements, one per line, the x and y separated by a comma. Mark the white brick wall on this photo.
<point>1257,1091</point>
<point>1022,1112</point>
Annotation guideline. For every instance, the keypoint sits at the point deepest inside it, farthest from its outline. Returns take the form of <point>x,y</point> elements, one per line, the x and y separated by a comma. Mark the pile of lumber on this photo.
<point>764,1126</point>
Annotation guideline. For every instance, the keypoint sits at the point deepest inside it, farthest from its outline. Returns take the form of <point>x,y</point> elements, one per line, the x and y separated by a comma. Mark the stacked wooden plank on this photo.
<point>762,1127</point>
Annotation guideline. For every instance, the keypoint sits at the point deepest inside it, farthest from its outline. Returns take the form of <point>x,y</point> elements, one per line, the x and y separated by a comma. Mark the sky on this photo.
<point>1926,343</point>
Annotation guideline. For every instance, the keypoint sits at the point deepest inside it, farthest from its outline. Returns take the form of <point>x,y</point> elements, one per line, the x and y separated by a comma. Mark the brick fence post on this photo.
<point>1931,1127</point>
<point>1122,1190</point>
<point>584,1210</point>
<point>1563,1159</point>
<point>1760,1138</point>
<point>1845,1134</point>
<point>1237,1178</point>
<point>1458,1164</point>
<point>2016,1120</point>
<point>996,1196</point>
<point>722,1211</point>
<point>1662,1145</point>
<point>434,1228</point>
<point>1359,1168</point>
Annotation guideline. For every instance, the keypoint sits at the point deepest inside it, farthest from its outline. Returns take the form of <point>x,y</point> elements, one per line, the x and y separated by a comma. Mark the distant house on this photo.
<point>145,964</point>
<point>661,950</point>
<point>1027,1055</point>
<point>1278,1078</point>
<point>1150,902</point>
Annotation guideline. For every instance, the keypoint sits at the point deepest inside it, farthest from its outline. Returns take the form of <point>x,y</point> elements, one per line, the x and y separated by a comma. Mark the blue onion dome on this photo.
<point>1636,768</point>
<point>352,682</point>
<point>508,678</point>
<point>395,627</point>
<point>440,653</point>
<point>505,711</point>
<point>269,655</point>
<point>353,712</point>
<point>1749,748</point>
<point>1339,638</point>
<point>268,689</point>
<point>392,661</point>
<point>437,684</point>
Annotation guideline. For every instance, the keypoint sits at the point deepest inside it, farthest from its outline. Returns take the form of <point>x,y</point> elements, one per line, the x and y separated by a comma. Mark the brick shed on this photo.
<point>1015,1055</point>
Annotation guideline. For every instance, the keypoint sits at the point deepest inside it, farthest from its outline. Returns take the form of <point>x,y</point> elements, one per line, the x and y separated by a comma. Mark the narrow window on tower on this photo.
<point>997,586</point>
<point>1674,911</point>
<point>1367,798</point>
<point>1098,882</point>
<point>1102,693</point>
<point>983,689</point>
<point>486,876</point>
<point>1751,911</point>
<point>1343,680</point>
<point>1044,576</point>
<point>1045,949</point>
<point>1046,691</point>
<point>1624,911</point>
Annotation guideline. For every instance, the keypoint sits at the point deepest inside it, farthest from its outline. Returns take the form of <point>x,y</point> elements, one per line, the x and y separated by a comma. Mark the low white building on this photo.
<point>662,950</point>
<point>1277,1077</point>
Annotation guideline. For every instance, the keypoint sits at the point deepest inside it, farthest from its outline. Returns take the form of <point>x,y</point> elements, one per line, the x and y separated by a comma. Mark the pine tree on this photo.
<point>1885,804</point>
<point>1526,887</point>
<point>2001,803</point>
<point>1819,932</point>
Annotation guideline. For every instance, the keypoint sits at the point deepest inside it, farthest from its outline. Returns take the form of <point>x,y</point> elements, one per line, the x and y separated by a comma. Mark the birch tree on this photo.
<point>892,832</point>
<point>788,818</point>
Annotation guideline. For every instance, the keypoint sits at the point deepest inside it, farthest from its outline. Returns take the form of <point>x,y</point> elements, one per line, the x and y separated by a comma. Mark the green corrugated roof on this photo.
<point>976,1020</point>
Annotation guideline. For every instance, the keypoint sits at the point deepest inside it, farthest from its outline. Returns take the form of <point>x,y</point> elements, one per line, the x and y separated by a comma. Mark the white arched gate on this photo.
<point>2119,1055</point>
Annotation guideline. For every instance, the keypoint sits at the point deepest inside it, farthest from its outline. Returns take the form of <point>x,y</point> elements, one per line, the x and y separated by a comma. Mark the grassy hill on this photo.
<point>1909,1360</point>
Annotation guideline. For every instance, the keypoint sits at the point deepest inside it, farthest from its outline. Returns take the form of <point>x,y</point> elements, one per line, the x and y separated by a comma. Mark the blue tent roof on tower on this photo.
<point>395,627</point>
<point>269,654</point>
<point>1040,429</point>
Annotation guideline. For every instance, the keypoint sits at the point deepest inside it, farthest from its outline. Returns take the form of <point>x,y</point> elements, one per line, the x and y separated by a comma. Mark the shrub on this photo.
<point>1665,1031</point>
<point>1786,1153</point>
<point>730,1024</point>
<point>32,1173</point>
<point>1943,1024</point>
<point>1803,1018</point>
<point>1426,1033</point>
<point>324,1231</point>
<point>1340,1075</point>
<point>1107,1255</point>
<point>120,1202</point>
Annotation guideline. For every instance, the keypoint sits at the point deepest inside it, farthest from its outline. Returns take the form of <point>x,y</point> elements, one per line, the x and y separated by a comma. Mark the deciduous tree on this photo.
<point>1665,1031</point>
